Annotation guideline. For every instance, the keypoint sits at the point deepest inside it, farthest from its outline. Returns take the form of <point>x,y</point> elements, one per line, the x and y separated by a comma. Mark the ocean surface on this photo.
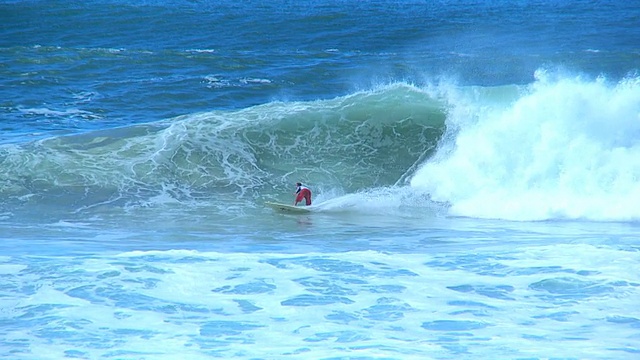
<point>475,168</point>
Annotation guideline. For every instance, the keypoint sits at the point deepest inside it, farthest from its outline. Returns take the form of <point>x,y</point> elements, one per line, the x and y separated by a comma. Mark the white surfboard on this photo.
<point>288,208</point>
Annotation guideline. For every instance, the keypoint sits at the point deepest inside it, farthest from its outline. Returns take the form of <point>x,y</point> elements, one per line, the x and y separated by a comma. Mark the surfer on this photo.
<point>302,192</point>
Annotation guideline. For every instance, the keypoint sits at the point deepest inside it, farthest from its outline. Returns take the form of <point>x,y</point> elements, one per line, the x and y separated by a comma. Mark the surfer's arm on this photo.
<point>295,197</point>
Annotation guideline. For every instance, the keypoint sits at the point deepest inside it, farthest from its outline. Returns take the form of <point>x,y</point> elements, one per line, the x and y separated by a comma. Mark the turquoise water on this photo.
<point>474,166</point>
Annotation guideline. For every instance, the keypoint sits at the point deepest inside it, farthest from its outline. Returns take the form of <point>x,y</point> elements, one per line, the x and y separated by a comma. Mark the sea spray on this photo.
<point>567,148</point>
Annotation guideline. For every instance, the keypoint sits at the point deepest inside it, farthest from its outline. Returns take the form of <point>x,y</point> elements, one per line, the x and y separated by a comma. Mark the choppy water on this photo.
<point>474,166</point>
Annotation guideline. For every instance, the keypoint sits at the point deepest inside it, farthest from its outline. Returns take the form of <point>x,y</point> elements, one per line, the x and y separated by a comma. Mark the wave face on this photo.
<point>566,148</point>
<point>368,139</point>
<point>563,147</point>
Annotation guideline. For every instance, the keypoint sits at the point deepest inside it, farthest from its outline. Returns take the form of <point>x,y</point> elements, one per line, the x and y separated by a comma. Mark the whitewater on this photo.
<point>474,165</point>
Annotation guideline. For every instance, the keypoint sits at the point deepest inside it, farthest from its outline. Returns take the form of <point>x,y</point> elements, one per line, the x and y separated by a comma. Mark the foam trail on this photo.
<point>568,148</point>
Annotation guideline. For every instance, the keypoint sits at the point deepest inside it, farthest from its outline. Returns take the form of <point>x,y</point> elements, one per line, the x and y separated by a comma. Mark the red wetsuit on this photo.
<point>303,192</point>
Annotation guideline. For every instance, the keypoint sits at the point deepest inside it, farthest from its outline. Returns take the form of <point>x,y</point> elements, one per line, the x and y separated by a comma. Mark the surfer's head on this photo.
<point>298,184</point>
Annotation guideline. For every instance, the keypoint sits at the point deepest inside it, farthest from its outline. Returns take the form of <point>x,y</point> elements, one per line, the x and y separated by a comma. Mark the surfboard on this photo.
<point>288,208</point>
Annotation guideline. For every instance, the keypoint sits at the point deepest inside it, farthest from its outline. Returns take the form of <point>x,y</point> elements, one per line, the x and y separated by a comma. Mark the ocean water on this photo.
<point>475,168</point>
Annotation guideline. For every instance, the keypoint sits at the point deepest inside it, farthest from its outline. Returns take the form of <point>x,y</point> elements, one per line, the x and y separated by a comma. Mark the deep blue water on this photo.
<point>123,62</point>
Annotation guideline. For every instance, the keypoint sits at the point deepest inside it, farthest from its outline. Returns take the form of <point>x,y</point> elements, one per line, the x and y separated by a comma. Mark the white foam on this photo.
<point>376,201</point>
<point>254,81</point>
<point>66,112</point>
<point>567,148</point>
<point>365,303</point>
<point>206,51</point>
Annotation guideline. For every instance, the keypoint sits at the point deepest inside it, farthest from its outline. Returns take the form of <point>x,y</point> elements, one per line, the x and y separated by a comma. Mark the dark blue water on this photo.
<point>122,62</point>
